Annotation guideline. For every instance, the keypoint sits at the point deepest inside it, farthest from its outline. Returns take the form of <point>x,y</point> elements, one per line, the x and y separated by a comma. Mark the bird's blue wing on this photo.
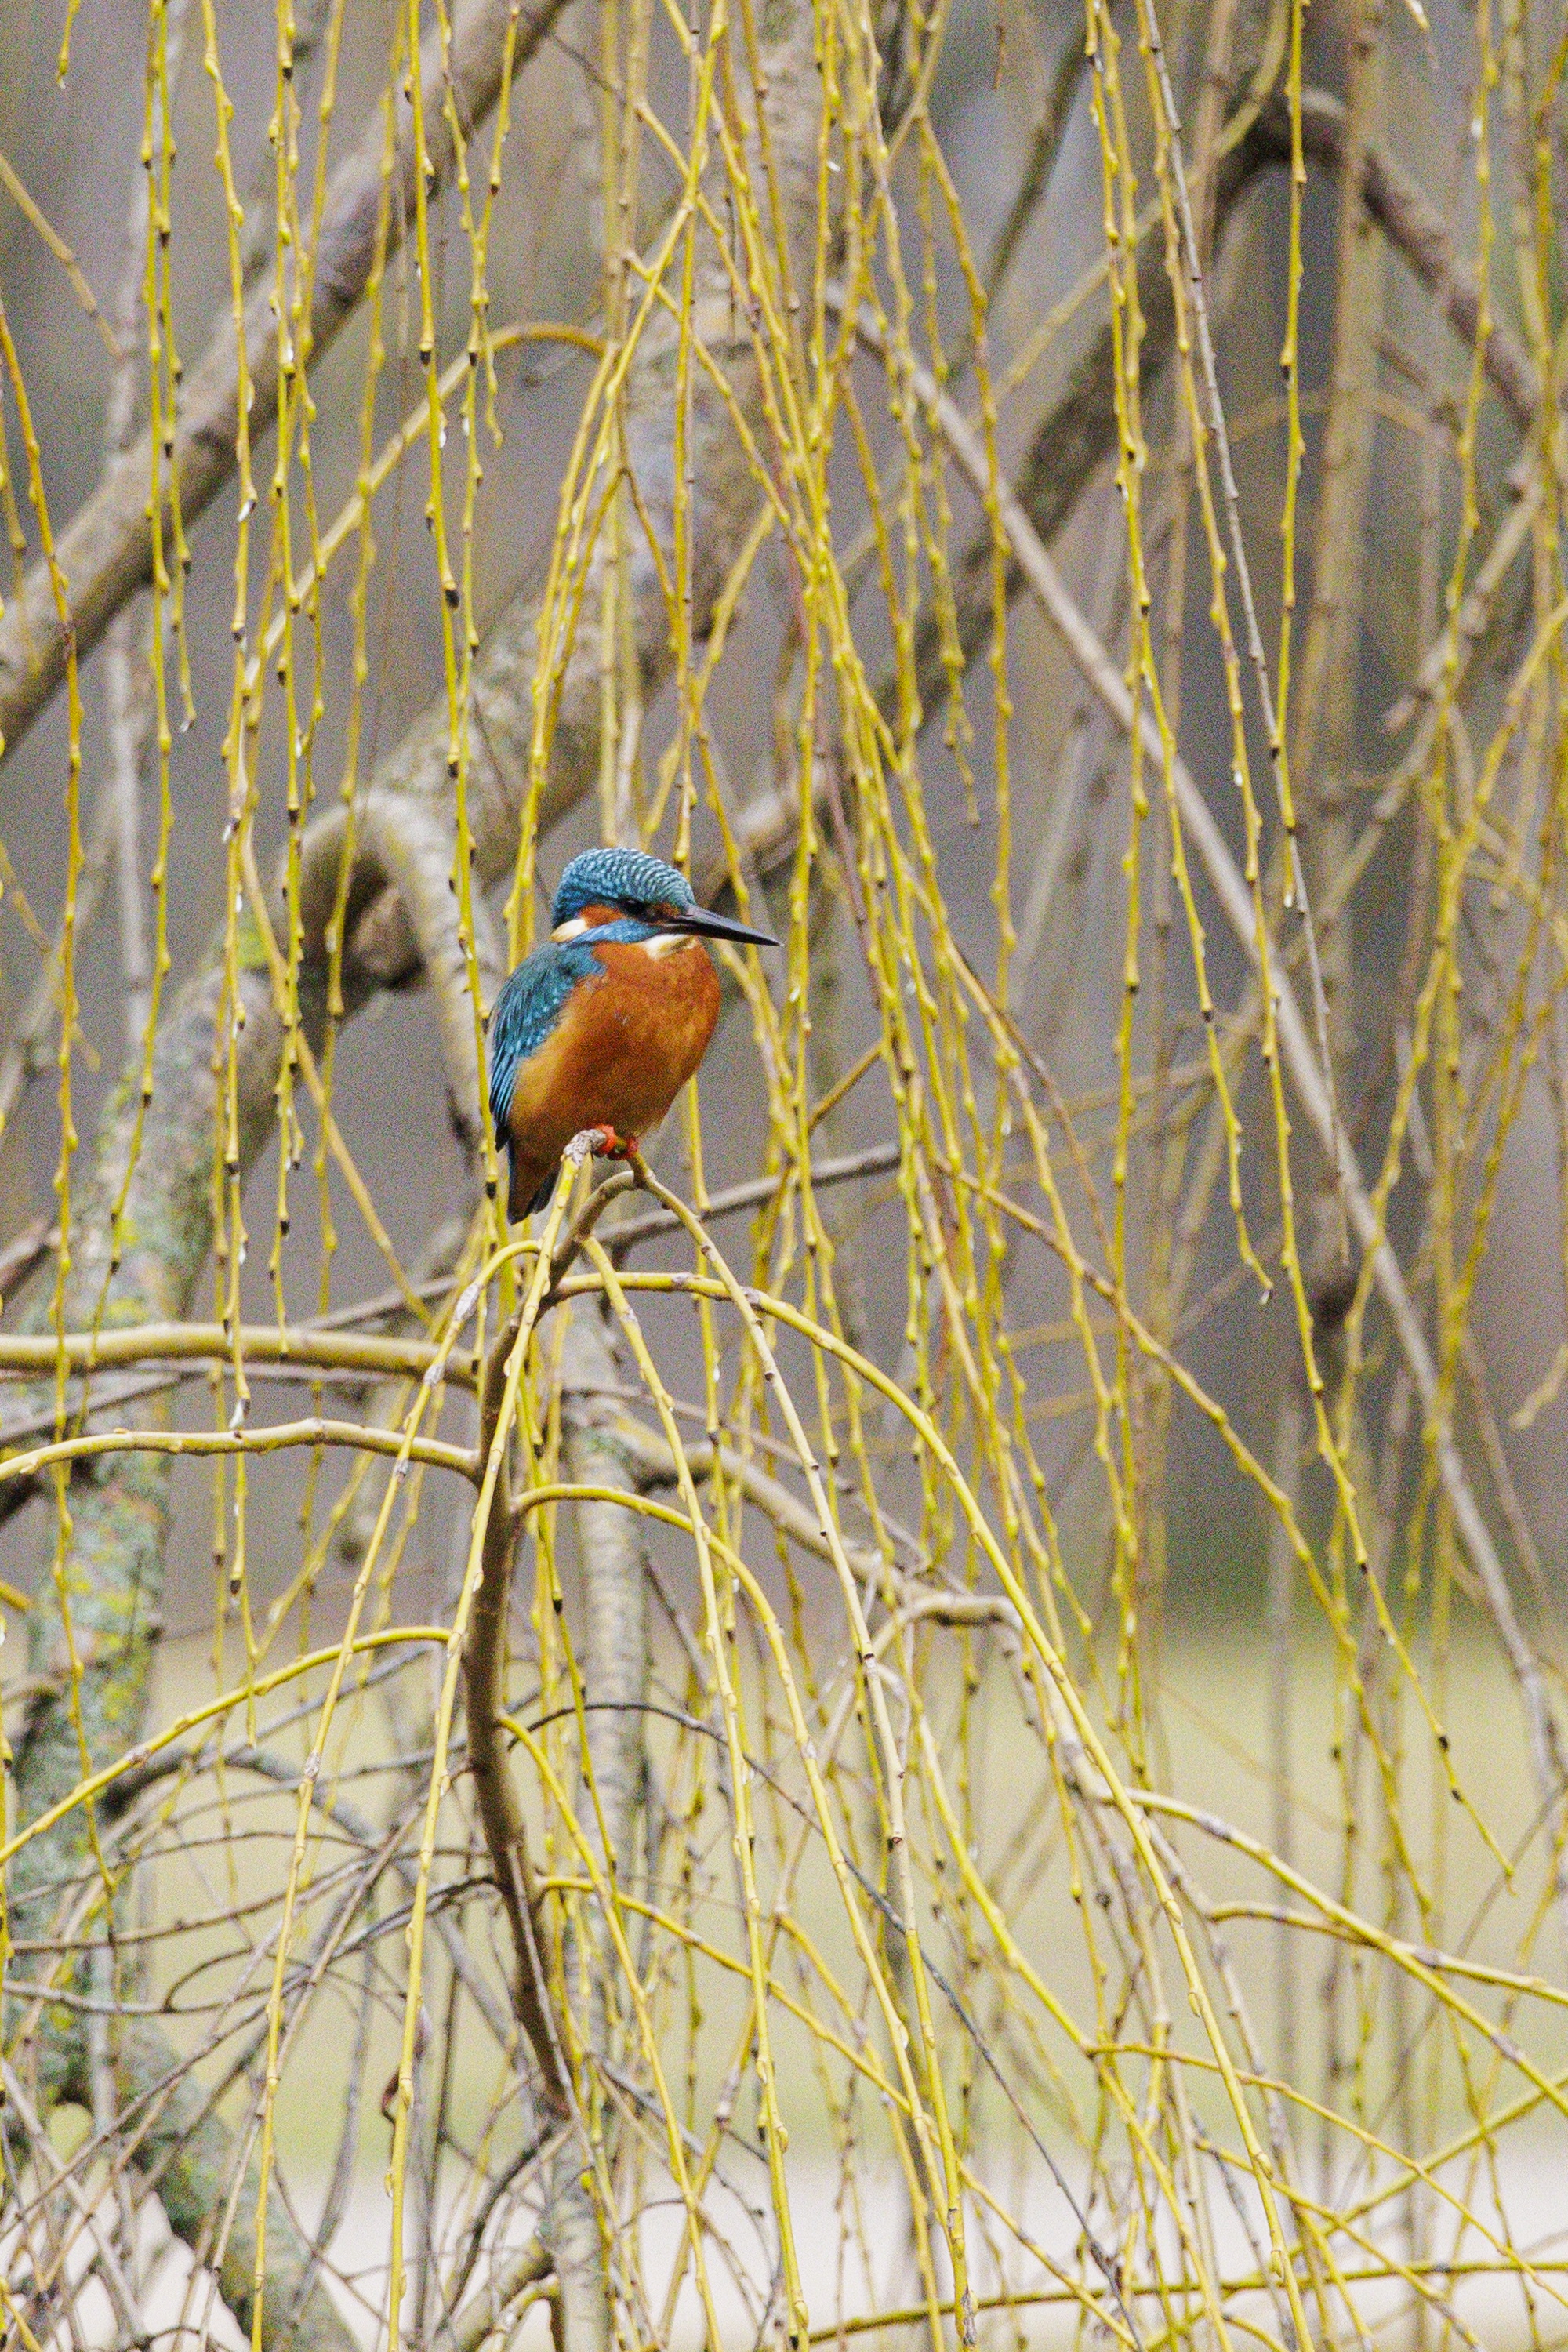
<point>524,1013</point>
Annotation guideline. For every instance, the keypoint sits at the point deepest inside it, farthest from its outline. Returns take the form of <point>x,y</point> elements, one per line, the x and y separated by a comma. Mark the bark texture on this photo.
<point>189,2152</point>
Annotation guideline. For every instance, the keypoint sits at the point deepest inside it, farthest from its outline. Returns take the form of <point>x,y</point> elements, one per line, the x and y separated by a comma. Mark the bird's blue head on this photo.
<point>641,896</point>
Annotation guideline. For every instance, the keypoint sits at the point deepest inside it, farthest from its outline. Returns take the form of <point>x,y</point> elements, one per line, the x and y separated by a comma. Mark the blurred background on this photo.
<point>1054,513</point>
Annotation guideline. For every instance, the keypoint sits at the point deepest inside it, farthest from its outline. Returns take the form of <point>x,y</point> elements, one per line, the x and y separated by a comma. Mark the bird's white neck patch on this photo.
<point>571,930</point>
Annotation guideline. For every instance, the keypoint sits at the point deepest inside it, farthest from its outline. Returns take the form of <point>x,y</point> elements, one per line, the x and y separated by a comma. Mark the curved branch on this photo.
<point>495,1795</point>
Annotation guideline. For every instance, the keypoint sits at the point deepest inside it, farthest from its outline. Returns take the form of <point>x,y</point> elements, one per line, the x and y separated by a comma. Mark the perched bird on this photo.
<point>602,1026</point>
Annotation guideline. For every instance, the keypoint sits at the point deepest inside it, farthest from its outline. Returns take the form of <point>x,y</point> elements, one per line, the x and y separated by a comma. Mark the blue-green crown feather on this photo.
<point>619,878</point>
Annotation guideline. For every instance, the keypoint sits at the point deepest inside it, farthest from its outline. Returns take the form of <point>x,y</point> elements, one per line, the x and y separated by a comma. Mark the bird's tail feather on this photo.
<point>529,1191</point>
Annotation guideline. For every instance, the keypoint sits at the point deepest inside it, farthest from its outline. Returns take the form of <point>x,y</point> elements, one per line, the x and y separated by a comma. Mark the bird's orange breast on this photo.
<point>627,1042</point>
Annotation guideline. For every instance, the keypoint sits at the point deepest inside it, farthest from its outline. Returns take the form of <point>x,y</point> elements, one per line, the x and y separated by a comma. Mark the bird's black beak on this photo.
<point>716,927</point>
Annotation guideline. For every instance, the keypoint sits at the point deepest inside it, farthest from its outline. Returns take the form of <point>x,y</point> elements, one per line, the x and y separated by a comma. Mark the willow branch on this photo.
<point>495,1793</point>
<point>106,553</point>
<point>1077,431</point>
<point>290,1344</point>
<point>162,1164</point>
<point>1300,1060</point>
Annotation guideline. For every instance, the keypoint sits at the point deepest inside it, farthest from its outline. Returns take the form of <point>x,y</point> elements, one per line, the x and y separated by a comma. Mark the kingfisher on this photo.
<point>602,1025</point>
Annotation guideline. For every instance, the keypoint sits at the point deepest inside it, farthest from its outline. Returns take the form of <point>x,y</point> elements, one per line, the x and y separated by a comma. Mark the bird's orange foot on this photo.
<point>583,1146</point>
<point>600,1143</point>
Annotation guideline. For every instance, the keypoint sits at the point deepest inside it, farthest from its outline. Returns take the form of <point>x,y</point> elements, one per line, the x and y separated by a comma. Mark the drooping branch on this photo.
<point>105,553</point>
<point>1076,432</point>
<point>500,1814</point>
<point>91,1687</point>
<point>1367,1216</point>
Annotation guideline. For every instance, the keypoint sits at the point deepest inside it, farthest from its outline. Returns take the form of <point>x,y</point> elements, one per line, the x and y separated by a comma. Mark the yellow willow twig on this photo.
<point>1297,1055</point>
<point>262,920</point>
<point>82,1351</point>
<point>1237,2284</point>
<point>822,1765</point>
<point>275,1438</point>
<point>1273,719</point>
<point>63,254</point>
<point>753,1305</point>
<point>1063,1688</point>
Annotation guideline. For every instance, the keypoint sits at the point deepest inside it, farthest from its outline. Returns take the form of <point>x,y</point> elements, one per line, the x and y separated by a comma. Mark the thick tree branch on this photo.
<point>190,2152</point>
<point>615,1665</point>
<point>485,1658</point>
